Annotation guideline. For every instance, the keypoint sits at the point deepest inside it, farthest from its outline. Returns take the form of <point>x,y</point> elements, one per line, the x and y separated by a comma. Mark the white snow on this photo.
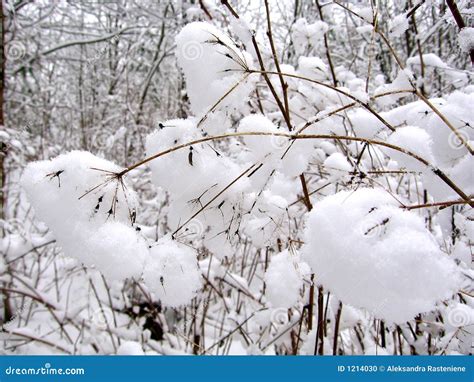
<point>304,33</point>
<point>373,255</point>
<point>416,140</point>
<point>218,232</point>
<point>88,210</point>
<point>259,146</point>
<point>366,13</point>
<point>130,348</point>
<point>212,65</point>
<point>398,25</point>
<point>337,161</point>
<point>466,39</point>
<point>312,67</point>
<point>172,272</point>
<point>365,29</point>
<point>429,59</point>
<point>115,249</point>
<point>283,280</point>
<point>401,83</point>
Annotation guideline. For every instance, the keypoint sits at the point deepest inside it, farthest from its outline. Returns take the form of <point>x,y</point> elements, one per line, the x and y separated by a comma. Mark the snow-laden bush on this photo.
<point>371,254</point>
<point>91,211</point>
<point>298,199</point>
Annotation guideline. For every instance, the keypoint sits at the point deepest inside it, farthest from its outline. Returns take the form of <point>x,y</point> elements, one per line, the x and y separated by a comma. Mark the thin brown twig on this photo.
<point>212,199</point>
<point>425,162</point>
<point>307,200</point>
<point>417,91</point>
<point>284,85</point>
<point>229,7</point>
<point>326,45</point>
<point>336,329</point>
<point>441,205</point>
<point>459,21</point>
<point>269,83</point>
<point>422,97</point>
<point>338,90</point>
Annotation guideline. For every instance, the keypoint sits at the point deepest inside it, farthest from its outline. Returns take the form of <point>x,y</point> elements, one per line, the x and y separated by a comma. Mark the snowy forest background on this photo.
<point>242,177</point>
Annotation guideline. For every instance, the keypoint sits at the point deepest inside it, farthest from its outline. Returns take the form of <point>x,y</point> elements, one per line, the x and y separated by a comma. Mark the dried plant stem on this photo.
<point>337,90</point>
<point>269,83</point>
<point>459,21</point>
<point>319,339</point>
<point>402,66</point>
<point>284,85</point>
<point>307,200</point>
<point>213,199</point>
<point>311,304</point>
<point>326,45</point>
<point>423,98</point>
<point>435,170</point>
<point>336,329</point>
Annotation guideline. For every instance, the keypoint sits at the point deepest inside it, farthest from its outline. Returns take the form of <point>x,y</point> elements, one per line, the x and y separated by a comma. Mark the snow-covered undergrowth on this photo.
<point>304,218</point>
<point>384,260</point>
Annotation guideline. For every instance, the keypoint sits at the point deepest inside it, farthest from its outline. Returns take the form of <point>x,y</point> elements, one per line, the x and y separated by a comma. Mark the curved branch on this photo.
<point>439,173</point>
<point>348,95</point>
